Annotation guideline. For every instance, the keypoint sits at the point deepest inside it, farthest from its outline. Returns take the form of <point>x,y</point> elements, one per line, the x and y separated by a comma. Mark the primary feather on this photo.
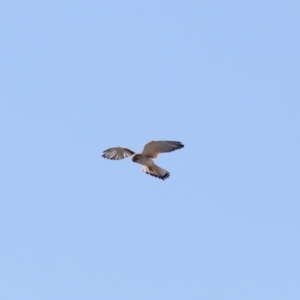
<point>117,153</point>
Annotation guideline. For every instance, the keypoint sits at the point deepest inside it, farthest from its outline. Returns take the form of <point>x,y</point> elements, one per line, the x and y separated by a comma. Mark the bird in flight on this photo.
<point>150,151</point>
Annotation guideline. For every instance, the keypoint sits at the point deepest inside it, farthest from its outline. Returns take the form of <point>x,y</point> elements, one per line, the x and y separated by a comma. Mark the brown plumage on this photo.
<point>151,151</point>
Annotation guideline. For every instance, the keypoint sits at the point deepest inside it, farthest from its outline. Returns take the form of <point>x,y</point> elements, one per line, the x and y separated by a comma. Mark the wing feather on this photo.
<point>117,153</point>
<point>154,148</point>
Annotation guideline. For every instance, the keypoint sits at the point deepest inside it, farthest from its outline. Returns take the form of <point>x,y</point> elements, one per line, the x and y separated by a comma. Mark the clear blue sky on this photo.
<point>78,77</point>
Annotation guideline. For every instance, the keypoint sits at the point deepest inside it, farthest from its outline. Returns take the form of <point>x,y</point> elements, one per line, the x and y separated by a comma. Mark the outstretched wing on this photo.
<point>153,148</point>
<point>117,153</point>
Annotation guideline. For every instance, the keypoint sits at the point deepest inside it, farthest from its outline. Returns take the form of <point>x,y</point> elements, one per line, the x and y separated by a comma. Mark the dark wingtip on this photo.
<point>103,155</point>
<point>178,145</point>
<point>167,175</point>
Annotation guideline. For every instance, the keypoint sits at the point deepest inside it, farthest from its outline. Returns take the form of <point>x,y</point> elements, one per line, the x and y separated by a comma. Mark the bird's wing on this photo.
<point>153,148</point>
<point>117,153</point>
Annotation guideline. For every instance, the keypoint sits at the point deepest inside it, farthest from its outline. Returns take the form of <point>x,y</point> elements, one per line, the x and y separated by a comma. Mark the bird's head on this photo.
<point>136,158</point>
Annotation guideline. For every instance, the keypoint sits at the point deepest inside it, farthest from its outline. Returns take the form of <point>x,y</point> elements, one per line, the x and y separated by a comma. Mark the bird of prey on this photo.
<point>150,151</point>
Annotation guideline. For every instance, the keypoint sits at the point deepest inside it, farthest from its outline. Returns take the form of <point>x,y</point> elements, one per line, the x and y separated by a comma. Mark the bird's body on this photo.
<point>143,160</point>
<point>150,152</point>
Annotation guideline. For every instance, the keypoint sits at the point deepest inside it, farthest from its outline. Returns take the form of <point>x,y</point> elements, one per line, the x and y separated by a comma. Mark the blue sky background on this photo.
<point>78,77</point>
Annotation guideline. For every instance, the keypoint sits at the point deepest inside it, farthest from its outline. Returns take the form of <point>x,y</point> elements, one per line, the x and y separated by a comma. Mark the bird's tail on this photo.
<point>156,171</point>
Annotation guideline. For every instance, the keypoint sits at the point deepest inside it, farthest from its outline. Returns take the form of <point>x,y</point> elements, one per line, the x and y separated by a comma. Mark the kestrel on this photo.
<point>150,151</point>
